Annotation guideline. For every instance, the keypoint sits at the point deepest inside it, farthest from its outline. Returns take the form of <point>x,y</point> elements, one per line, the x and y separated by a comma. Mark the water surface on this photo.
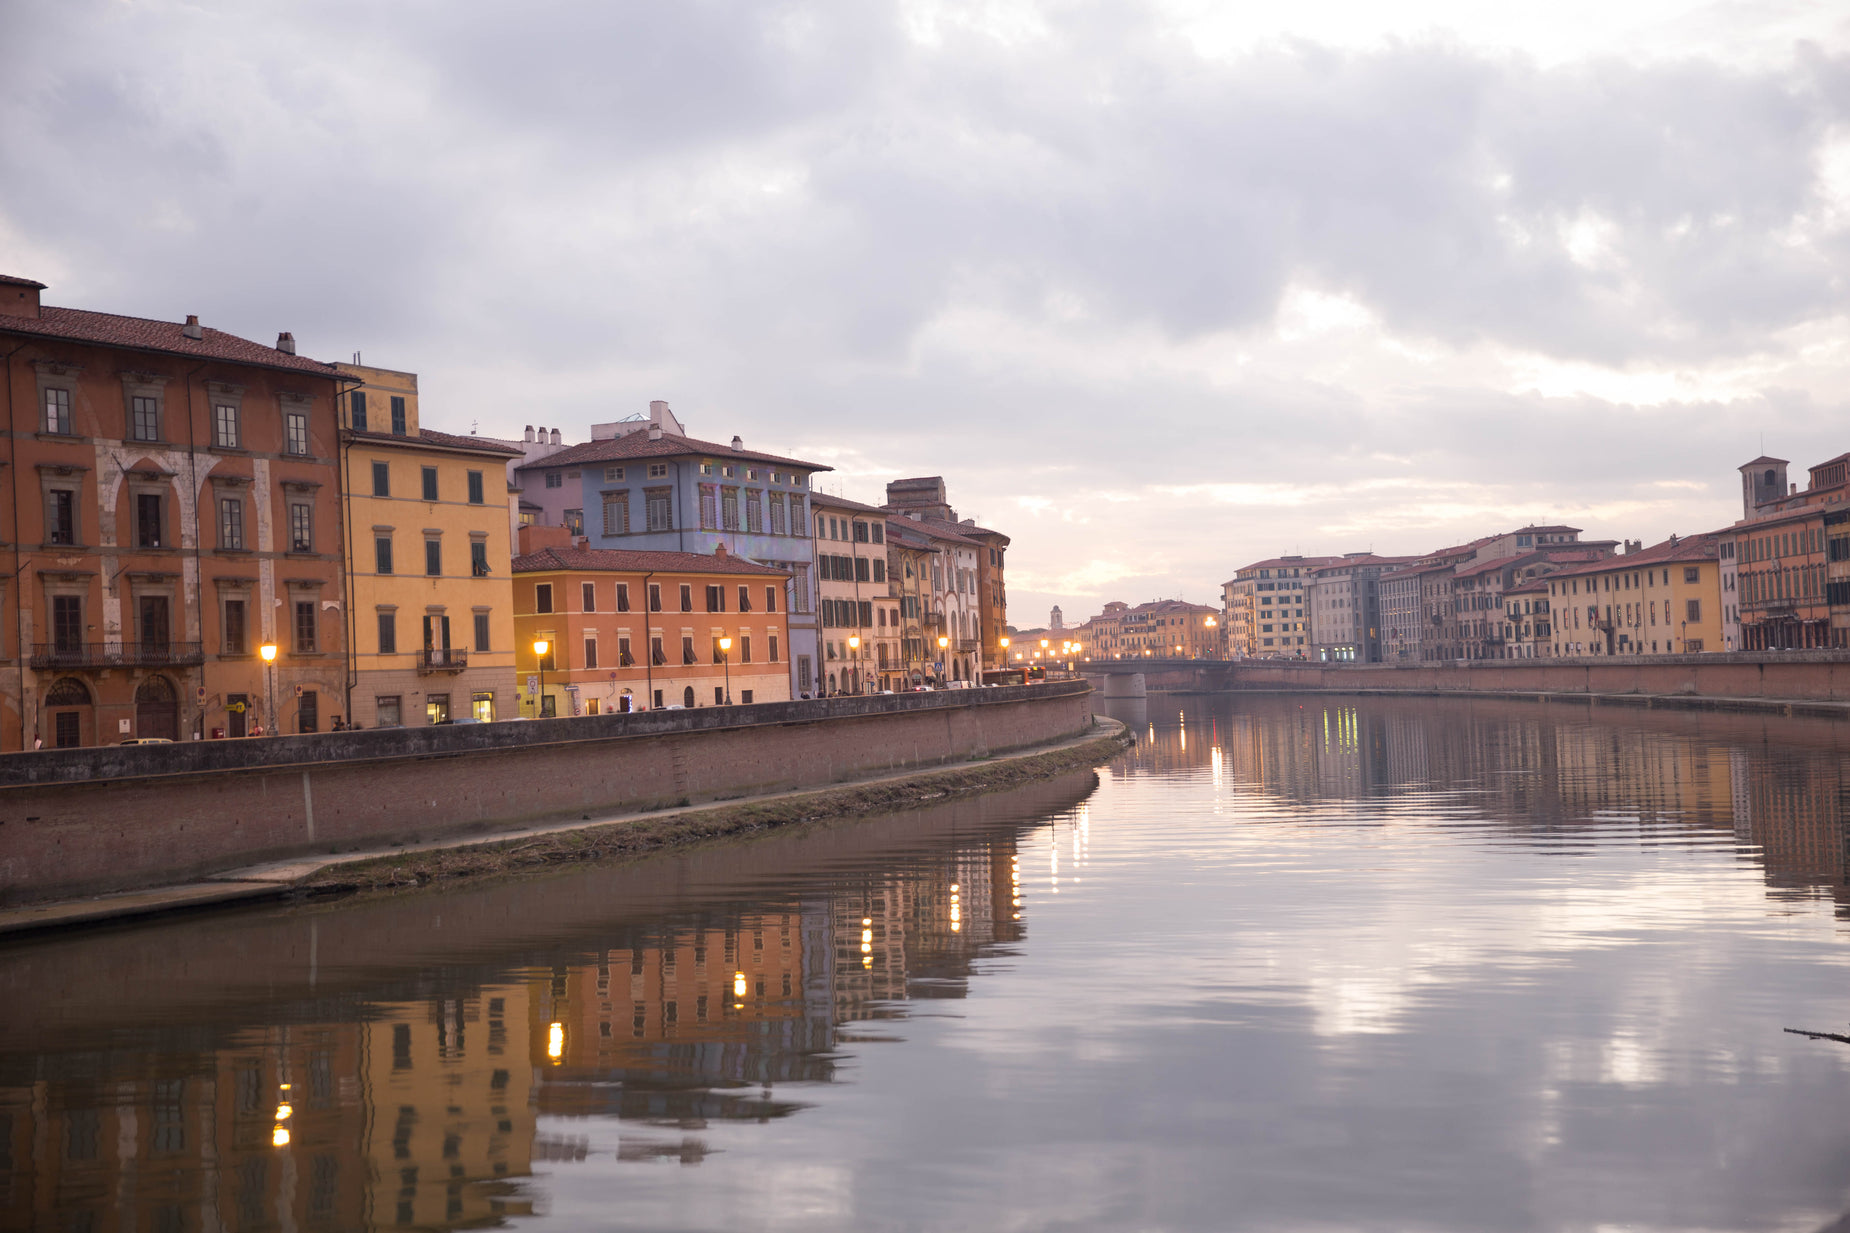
<point>1286,966</point>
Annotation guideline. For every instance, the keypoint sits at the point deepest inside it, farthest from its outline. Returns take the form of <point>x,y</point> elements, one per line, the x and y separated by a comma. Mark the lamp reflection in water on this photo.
<point>555,1042</point>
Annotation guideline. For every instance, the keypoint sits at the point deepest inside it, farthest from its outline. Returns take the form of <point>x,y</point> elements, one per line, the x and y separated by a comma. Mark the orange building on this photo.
<point>173,503</point>
<point>635,630</point>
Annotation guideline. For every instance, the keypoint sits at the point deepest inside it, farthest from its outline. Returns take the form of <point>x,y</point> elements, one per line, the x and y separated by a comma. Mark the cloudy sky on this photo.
<point>1160,287</point>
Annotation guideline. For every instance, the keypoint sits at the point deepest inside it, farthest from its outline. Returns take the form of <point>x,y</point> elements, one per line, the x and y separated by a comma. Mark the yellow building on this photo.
<point>431,600</point>
<point>1661,600</point>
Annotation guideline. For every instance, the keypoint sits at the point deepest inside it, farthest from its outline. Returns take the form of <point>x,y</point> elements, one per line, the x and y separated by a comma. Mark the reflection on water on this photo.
<point>1317,964</point>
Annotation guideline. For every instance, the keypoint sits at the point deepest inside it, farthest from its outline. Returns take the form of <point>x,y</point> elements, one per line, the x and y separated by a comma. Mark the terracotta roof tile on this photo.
<point>447,440</point>
<point>638,445</point>
<point>142,334</point>
<point>632,561</point>
<point>1704,547</point>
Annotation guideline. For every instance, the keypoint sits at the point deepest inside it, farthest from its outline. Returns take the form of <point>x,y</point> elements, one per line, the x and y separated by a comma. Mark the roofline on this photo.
<point>408,442</point>
<point>332,373</point>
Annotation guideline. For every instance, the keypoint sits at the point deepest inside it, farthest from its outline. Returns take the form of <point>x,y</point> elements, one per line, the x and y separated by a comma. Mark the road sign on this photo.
<point>533,684</point>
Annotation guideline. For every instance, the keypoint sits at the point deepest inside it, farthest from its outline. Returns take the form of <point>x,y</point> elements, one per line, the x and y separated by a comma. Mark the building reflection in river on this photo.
<point>350,1110</point>
<point>1778,784</point>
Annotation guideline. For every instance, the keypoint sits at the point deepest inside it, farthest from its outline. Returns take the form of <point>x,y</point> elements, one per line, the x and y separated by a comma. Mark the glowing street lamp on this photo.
<point>1002,661</point>
<point>540,647</point>
<point>944,657</point>
<point>725,657</point>
<point>268,652</point>
<point>854,652</point>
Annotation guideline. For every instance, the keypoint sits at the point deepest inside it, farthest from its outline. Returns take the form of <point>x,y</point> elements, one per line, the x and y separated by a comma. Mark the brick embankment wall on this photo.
<point>1786,677</point>
<point>81,822</point>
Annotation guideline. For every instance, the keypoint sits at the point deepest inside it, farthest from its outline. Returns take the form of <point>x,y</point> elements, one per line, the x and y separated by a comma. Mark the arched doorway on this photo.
<point>68,716</point>
<point>157,709</point>
<point>687,697</point>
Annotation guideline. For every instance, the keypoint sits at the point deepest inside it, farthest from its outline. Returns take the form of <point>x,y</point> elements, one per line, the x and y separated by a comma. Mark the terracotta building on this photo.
<point>172,502</point>
<point>860,616</point>
<point>638,630</point>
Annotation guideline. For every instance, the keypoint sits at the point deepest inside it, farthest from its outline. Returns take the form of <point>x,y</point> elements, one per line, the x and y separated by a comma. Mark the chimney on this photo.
<point>719,549</point>
<point>191,329</point>
<point>655,432</point>
<point>657,409</point>
<point>285,342</point>
<point>555,437</point>
<point>1792,490</point>
<point>529,437</point>
<point>19,297</point>
<point>737,442</point>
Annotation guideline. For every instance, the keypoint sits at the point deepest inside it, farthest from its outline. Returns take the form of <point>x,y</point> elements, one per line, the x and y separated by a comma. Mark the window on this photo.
<point>433,558</point>
<point>624,658</point>
<point>687,597</point>
<point>388,633</point>
<point>575,522</point>
<point>655,597</point>
<point>225,426</point>
<point>382,554</point>
<point>613,475</point>
<point>658,470</point>
<point>659,508</point>
<point>770,599</point>
<point>60,517</point>
<point>716,599</point>
<point>482,706</point>
<point>1691,574</point>
<point>147,520</point>
<point>301,527</point>
<point>430,483</point>
<point>356,413</point>
<point>773,648</point>
<point>719,654</point>
<point>542,597</point>
<point>554,480</point>
<point>687,650</point>
<point>745,599</point>
<point>388,712</point>
<point>879,567</point>
<point>478,558</point>
<point>745,648</point>
<point>304,626</point>
<point>233,642</point>
<point>780,524</point>
<point>295,432</point>
<point>588,595</point>
<point>477,495</point>
<point>67,622</point>
<point>231,522</point>
<point>719,694</point>
<point>860,532</point>
<point>623,597</point>
<point>398,416</point>
<point>382,479</point>
<point>1692,610</point>
<point>145,418</point>
<point>590,652</point>
<point>754,510</point>
<point>709,507</point>
<point>436,706</point>
<point>481,632</point>
<point>729,508</point>
<point>878,530</point>
<point>58,412</point>
<point>658,657</point>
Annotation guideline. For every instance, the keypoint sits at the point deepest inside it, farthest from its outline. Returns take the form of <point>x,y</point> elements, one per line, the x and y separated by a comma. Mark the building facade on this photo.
<point>1344,602</point>
<point>1264,607</point>
<point>175,506</point>
<point>911,556</point>
<point>859,615</point>
<point>650,487</point>
<point>641,630</point>
<point>431,617</point>
<point>1788,558</point>
<point>1661,600</point>
<point>986,582</point>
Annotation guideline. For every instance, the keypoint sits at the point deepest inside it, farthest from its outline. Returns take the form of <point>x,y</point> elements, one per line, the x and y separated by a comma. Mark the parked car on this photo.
<point>147,740</point>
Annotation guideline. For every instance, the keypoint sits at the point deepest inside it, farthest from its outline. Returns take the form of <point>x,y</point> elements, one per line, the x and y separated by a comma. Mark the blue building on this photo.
<point>646,484</point>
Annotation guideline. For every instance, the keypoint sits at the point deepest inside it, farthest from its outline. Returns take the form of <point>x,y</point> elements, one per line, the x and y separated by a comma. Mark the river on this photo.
<point>1288,964</point>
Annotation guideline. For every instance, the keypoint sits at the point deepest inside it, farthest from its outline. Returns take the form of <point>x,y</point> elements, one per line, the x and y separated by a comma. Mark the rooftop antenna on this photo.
<point>356,357</point>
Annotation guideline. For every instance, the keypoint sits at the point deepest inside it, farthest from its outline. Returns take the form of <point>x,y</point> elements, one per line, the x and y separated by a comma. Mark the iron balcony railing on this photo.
<point>440,659</point>
<point>116,655</point>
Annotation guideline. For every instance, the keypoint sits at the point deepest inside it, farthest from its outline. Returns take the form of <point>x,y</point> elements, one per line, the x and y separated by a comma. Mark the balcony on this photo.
<point>122,655</point>
<point>439,659</point>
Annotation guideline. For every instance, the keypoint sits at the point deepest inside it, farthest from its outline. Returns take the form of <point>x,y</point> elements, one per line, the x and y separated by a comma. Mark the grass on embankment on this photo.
<point>643,836</point>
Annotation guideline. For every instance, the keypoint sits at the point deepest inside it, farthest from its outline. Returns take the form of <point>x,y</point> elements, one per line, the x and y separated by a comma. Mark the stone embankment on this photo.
<point>90,822</point>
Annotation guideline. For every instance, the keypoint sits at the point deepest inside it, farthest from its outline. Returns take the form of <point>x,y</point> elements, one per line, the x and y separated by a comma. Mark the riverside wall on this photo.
<point>90,821</point>
<point>1780,677</point>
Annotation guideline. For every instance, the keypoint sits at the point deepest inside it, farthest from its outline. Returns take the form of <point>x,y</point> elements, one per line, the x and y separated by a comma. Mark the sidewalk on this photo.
<point>279,879</point>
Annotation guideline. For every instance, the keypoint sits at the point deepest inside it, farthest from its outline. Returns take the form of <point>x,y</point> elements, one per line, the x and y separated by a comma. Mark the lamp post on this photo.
<point>854,653</point>
<point>268,651</point>
<point>1002,656</point>
<point>725,657</point>
<point>944,659</point>
<point>540,647</point>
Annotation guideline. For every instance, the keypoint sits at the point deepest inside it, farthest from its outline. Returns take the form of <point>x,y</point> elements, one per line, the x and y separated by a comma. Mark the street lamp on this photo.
<point>854,653</point>
<point>540,647</point>
<point>944,657</point>
<point>268,651</point>
<point>1002,660</point>
<point>725,657</point>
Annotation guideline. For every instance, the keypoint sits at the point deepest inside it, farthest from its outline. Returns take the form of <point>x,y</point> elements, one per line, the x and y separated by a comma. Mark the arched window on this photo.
<point>687,697</point>
<point>69,691</point>
<point>1769,478</point>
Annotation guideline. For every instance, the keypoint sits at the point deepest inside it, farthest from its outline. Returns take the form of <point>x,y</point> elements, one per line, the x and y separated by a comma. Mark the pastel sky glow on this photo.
<point>1160,287</point>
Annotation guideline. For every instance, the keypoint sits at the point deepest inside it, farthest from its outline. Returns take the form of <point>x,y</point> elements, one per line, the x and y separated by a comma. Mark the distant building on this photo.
<point>1264,607</point>
<point>860,617</point>
<point>1056,620</point>
<point>1344,602</point>
<point>924,499</point>
<point>1160,629</point>
<point>1661,600</point>
<point>1786,564</point>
